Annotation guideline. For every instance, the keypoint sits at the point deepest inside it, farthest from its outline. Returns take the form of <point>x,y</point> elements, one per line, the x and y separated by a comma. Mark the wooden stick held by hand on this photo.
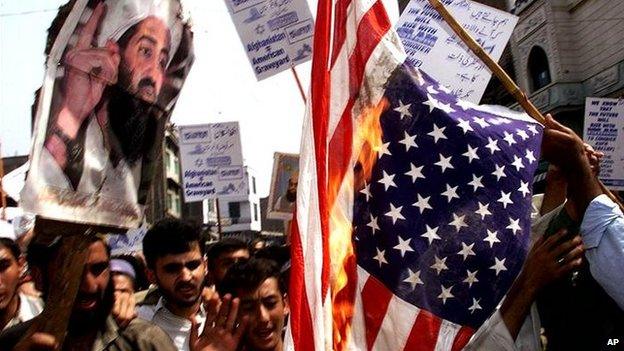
<point>508,83</point>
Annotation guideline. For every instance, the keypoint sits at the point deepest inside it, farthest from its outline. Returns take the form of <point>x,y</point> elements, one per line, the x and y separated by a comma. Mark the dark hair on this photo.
<point>248,275</point>
<point>279,254</point>
<point>170,237</point>
<point>223,246</point>
<point>12,246</point>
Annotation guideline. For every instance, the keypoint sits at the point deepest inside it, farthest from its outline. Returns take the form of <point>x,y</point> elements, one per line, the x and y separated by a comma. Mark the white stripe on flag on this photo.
<point>340,71</point>
<point>309,223</point>
<point>358,326</point>
<point>446,336</point>
<point>396,326</point>
<point>384,59</point>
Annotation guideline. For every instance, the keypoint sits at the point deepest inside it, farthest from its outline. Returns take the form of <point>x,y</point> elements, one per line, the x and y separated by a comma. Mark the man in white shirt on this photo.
<point>175,261</point>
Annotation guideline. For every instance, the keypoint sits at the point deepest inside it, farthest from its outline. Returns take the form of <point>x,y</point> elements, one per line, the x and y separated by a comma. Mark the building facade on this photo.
<point>165,199</point>
<point>561,52</point>
<point>566,50</point>
<point>235,214</point>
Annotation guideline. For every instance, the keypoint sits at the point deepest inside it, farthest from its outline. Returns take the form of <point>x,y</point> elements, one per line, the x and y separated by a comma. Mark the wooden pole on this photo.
<point>508,83</point>
<point>2,193</point>
<point>66,268</point>
<point>303,96</point>
<point>218,219</point>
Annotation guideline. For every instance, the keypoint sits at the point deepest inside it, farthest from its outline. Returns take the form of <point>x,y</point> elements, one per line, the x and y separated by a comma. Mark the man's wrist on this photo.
<point>527,286</point>
<point>57,149</point>
<point>67,123</point>
<point>584,186</point>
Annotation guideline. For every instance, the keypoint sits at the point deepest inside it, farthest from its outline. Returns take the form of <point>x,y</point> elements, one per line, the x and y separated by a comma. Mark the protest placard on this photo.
<point>212,161</point>
<point>276,34</point>
<point>127,244</point>
<point>108,92</point>
<point>284,181</point>
<point>604,131</point>
<point>432,46</point>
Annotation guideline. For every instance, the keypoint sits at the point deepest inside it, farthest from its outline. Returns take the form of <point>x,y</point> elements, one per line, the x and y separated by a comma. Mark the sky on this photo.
<point>221,86</point>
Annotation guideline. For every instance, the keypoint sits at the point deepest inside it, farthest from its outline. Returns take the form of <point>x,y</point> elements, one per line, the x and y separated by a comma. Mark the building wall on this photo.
<point>165,199</point>
<point>249,218</point>
<point>584,46</point>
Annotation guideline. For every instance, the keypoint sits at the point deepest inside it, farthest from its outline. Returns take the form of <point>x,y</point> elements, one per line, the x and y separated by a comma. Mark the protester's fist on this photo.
<point>550,259</point>
<point>88,71</point>
<point>594,158</point>
<point>562,147</point>
<point>37,342</point>
<point>124,310</point>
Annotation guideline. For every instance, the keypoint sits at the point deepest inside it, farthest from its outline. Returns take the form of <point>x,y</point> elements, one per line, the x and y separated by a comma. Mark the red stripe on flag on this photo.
<point>371,29</point>
<point>320,93</point>
<point>461,339</point>
<point>373,26</point>
<point>300,318</point>
<point>424,334</point>
<point>374,22</point>
<point>340,27</point>
<point>375,301</point>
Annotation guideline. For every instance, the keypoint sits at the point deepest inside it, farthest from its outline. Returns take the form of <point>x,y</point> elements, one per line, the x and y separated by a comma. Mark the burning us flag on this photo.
<point>413,206</point>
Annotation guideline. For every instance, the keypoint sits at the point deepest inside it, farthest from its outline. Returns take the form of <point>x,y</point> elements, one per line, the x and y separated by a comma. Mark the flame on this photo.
<point>366,144</point>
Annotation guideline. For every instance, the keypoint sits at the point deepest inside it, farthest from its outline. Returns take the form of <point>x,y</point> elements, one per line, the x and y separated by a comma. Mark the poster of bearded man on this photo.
<point>114,73</point>
<point>284,182</point>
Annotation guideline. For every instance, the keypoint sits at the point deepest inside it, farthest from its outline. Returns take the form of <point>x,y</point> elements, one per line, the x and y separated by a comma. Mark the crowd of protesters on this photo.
<point>184,294</point>
<point>178,294</point>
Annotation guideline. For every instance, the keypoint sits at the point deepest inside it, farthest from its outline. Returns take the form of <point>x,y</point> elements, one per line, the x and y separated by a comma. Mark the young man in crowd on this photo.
<point>258,286</point>
<point>224,254</point>
<point>176,264</point>
<point>14,306</point>
<point>123,276</point>
<point>91,325</point>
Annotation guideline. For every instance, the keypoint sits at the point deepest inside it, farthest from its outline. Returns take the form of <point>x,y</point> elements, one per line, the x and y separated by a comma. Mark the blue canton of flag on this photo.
<point>444,220</point>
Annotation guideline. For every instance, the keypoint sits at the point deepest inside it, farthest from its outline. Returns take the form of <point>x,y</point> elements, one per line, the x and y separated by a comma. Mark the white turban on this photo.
<point>121,15</point>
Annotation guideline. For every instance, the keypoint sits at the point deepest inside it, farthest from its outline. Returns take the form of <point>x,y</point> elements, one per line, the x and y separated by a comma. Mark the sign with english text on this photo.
<point>432,46</point>
<point>212,161</point>
<point>127,244</point>
<point>604,131</point>
<point>276,34</point>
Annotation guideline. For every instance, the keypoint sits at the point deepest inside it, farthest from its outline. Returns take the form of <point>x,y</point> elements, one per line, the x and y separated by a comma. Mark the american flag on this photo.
<point>439,223</point>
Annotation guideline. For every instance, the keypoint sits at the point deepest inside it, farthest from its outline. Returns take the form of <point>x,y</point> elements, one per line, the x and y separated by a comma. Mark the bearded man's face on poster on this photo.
<point>144,51</point>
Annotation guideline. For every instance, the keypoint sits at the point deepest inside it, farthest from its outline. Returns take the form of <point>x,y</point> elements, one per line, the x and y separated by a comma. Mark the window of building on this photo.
<point>234,209</point>
<point>177,208</point>
<point>176,164</point>
<point>173,203</point>
<point>253,184</point>
<point>211,205</point>
<point>539,71</point>
<point>255,212</point>
<point>169,200</point>
<point>167,159</point>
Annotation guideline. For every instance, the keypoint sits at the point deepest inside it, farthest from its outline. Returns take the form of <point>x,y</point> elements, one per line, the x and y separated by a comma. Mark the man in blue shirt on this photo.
<point>584,310</point>
<point>602,226</point>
